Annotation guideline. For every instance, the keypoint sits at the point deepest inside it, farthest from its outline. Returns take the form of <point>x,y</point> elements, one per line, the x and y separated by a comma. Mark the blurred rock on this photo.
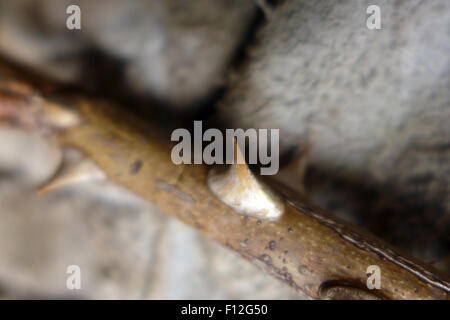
<point>176,51</point>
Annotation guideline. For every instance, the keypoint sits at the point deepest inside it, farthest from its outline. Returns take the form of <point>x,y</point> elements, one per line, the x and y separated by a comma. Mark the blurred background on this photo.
<point>369,110</point>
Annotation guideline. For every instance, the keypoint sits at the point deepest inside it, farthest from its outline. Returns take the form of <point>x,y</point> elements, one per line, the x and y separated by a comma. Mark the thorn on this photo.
<point>83,170</point>
<point>57,115</point>
<point>33,111</point>
<point>238,188</point>
<point>294,173</point>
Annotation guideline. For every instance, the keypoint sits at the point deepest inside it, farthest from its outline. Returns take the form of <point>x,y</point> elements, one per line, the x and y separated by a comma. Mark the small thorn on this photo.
<point>238,188</point>
<point>238,157</point>
<point>84,170</point>
<point>57,115</point>
<point>293,174</point>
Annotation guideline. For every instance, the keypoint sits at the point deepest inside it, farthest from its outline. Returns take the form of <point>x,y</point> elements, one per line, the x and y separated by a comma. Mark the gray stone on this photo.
<point>176,51</point>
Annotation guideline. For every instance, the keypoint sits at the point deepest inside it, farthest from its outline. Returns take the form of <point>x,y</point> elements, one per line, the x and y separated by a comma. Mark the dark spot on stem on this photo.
<point>135,167</point>
<point>272,245</point>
